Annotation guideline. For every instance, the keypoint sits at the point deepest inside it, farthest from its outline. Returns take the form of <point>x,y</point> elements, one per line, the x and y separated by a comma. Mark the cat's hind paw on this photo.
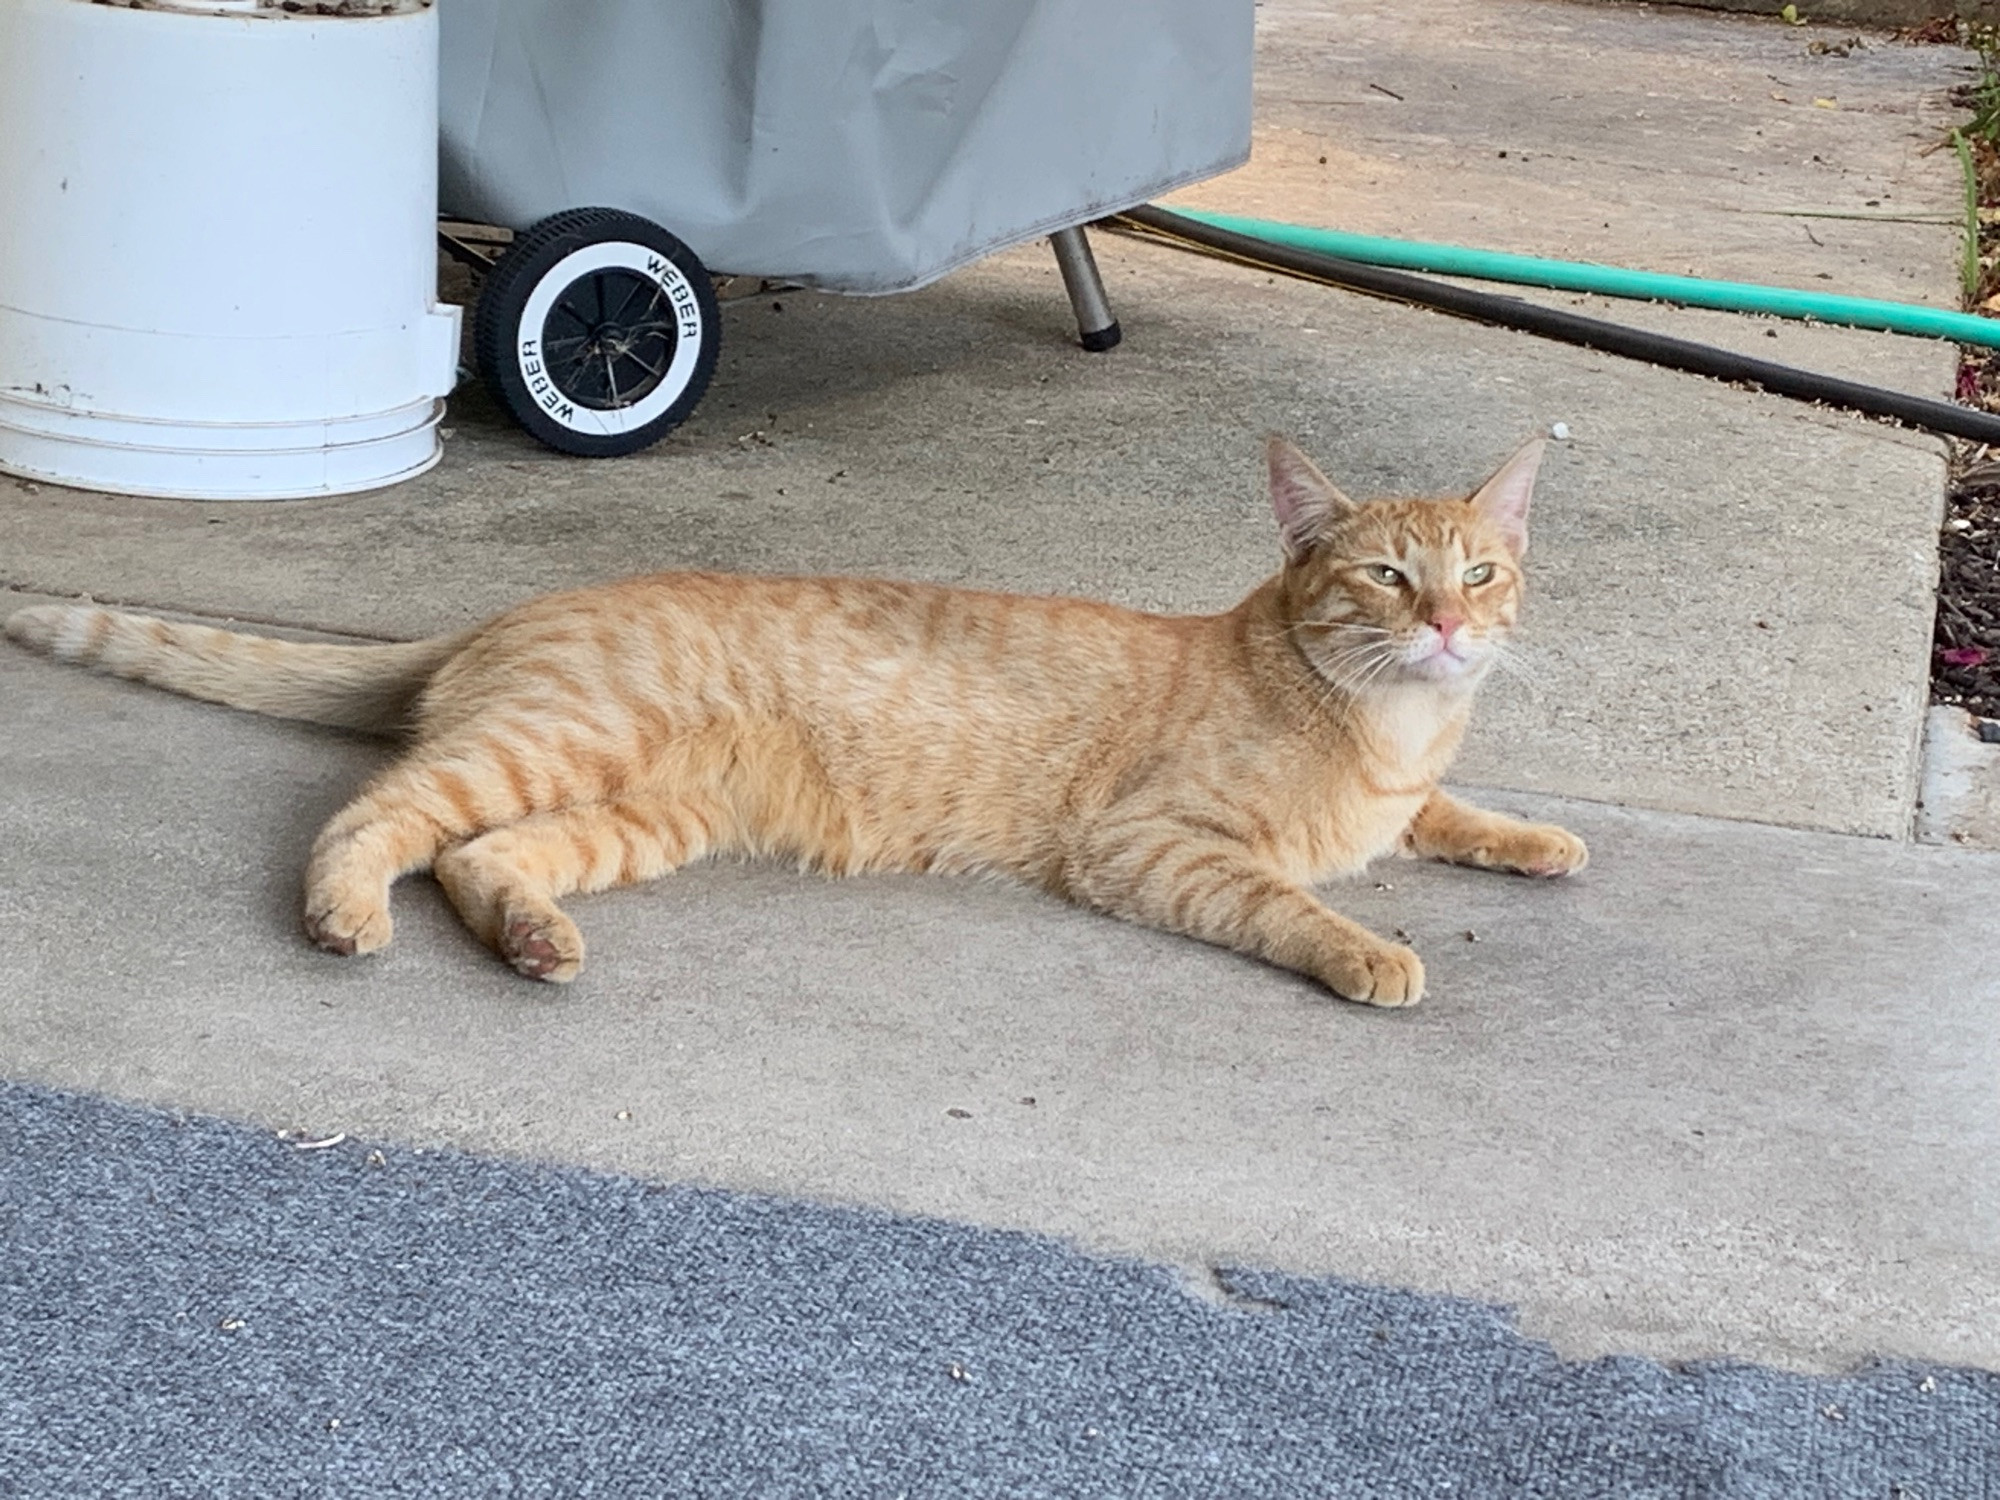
<point>348,928</point>
<point>543,947</point>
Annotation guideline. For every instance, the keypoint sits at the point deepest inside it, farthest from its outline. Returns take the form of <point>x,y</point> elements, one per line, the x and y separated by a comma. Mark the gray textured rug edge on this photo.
<point>193,1307</point>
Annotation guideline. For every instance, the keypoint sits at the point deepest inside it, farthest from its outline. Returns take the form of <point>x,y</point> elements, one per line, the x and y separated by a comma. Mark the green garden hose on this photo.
<point>1616,281</point>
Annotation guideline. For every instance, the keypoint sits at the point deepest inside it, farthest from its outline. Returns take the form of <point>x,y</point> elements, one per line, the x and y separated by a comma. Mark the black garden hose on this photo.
<point>1567,327</point>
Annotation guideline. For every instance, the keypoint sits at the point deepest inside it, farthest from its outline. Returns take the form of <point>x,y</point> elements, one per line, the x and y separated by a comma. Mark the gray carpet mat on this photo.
<point>195,1308</point>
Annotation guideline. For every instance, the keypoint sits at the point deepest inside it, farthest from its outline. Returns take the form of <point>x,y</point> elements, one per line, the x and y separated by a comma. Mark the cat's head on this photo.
<point>1391,592</point>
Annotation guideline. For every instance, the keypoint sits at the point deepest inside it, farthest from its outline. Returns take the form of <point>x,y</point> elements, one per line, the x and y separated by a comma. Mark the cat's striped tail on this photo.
<point>349,687</point>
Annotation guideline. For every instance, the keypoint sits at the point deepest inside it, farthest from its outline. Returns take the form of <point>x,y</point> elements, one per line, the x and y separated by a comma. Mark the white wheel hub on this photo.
<point>677,301</point>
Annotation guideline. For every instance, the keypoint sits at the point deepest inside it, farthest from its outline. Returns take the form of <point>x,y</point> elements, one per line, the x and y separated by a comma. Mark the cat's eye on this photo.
<point>1479,573</point>
<point>1382,573</point>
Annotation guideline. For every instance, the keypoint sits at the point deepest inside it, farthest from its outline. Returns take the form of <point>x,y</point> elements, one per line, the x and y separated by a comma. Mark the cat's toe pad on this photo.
<point>540,949</point>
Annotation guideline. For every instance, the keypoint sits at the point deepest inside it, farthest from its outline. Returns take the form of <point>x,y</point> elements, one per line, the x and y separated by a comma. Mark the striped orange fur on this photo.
<point>1194,773</point>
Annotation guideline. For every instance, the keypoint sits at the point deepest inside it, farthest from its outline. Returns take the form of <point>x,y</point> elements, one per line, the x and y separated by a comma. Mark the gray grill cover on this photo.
<point>857,145</point>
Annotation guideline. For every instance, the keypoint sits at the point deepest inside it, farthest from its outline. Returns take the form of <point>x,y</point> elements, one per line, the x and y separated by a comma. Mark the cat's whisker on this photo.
<point>1339,664</point>
<point>1321,628</point>
<point>1357,627</point>
<point>1361,667</point>
<point>1363,643</point>
<point>1378,669</point>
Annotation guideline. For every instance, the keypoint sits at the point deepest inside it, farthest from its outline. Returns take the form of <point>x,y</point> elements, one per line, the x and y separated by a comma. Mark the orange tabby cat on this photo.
<point>1192,773</point>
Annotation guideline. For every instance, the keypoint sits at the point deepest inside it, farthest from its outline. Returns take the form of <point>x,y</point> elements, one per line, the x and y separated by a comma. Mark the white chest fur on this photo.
<point>1414,727</point>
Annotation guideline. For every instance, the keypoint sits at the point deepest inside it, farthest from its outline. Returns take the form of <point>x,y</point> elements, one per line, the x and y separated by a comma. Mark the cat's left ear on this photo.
<point>1303,499</point>
<point>1504,498</point>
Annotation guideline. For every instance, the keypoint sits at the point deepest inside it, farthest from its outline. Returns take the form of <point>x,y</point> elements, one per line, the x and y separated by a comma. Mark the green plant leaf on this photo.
<point>1968,274</point>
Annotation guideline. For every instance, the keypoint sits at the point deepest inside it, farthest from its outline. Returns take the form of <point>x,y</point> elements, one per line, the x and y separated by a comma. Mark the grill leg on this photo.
<point>1096,329</point>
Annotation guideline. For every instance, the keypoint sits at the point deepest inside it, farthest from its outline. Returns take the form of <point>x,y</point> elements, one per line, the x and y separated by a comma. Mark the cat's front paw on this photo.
<point>1539,849</point>
<point>1547,852</point>
<point>1385,974</point>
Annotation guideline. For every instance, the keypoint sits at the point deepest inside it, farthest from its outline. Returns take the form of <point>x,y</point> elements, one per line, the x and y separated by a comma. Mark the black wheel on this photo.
<point>598,330</point>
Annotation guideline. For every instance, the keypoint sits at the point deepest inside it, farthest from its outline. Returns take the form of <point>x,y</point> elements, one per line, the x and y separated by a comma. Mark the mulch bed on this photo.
<point>1965,656</point>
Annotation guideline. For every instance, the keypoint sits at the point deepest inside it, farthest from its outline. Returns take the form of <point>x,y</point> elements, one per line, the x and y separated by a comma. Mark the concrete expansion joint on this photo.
<point>336,634</point>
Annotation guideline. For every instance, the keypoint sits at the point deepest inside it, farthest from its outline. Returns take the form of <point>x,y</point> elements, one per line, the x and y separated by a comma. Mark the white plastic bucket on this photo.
<point>218,266</point>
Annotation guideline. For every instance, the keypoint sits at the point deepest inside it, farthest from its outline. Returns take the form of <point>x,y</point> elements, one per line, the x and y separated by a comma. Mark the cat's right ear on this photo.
<point>1303,499</point>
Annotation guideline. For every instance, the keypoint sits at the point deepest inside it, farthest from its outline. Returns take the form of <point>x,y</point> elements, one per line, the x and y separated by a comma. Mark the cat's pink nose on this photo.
<point>1444,625</point>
